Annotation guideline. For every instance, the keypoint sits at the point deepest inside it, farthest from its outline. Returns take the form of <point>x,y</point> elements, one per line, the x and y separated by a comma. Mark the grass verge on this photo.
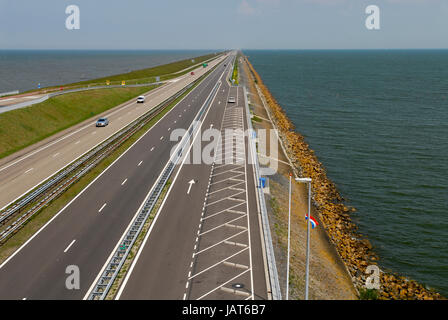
<point>368,294</point>
<point>23,127</point>
<point>235,72</point>
<point>165,72</point>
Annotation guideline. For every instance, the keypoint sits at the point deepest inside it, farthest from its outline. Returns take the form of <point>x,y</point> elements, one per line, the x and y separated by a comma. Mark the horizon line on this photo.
<point>215,49</point>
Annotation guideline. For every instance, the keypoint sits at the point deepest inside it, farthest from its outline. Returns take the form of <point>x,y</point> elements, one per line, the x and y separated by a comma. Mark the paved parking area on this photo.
<point>222,262</point>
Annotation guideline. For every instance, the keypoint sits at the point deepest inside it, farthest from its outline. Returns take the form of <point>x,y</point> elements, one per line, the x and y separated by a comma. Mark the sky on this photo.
<point>223,24</point>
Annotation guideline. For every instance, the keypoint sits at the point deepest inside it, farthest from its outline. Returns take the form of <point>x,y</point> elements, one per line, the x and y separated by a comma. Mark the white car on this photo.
<point>141,99</point>
<point>231,100</point>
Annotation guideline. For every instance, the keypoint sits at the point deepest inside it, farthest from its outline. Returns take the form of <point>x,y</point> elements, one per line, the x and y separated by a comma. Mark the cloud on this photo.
<point>246,9</point>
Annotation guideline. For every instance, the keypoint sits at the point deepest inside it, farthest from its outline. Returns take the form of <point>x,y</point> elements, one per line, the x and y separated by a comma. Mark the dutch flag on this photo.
<point>313,222</point>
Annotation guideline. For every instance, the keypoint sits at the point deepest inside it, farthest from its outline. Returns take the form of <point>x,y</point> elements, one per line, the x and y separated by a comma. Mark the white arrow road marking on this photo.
<point>191,183</point>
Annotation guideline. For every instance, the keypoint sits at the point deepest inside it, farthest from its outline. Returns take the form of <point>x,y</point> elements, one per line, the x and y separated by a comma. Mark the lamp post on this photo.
<point>307,268</point>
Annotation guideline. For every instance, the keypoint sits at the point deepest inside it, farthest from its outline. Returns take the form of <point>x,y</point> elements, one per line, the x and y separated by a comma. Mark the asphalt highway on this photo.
<point>24,170</point>
<point>84,233</point>
<point>205,242</point>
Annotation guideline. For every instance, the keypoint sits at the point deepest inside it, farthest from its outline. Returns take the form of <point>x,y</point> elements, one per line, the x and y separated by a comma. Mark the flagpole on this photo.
<point>307,271</point>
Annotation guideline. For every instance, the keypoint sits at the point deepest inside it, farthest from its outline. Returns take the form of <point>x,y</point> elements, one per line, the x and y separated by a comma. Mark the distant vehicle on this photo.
<point>232,100</point>
<point>141,99</point>
<point>192,73</point>
<point>102,122</point>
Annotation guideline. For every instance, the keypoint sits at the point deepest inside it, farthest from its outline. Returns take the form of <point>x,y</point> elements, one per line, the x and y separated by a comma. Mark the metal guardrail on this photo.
<point>53,94</point>
<point>9,93</point>
<point>273,274</point>
<point>115,264</point>
<point>58,93</point>
<point>84,164</point>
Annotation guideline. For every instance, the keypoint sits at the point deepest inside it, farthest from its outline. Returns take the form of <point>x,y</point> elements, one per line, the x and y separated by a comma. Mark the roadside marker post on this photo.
<point>262,183</point>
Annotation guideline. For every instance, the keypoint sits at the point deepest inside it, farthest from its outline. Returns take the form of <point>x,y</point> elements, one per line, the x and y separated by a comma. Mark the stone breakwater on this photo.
<point>355,250</point>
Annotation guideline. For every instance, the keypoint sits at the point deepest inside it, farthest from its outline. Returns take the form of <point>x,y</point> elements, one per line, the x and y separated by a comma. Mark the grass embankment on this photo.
<point>165,72</point>
<point>23,127</point>
<point>51,209</point>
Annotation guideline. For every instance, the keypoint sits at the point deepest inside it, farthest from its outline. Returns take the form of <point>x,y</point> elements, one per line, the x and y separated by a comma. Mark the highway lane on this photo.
<point>86,231</point>
<point>25,169</point>
<point>205,239</point>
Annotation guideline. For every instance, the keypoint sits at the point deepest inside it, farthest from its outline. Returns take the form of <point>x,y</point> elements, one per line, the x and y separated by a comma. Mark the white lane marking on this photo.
<point>175,121</point>
<point>101,209</point>
<point>218,243</point>
<point>161,138</point>
<point>145,240</point>
<point>218,263</point>
<point>154,91</point>
<point>239,275</point>
<point>71,243</point>
<point>29,170</point>
<point>124,181</point>
<point>77,141</point>
<point>82,191</point>
<point>55,155</point>
<point>152,149</point>
<point>180,116</point>
<point>169,129</point>
<point>140,163</point>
